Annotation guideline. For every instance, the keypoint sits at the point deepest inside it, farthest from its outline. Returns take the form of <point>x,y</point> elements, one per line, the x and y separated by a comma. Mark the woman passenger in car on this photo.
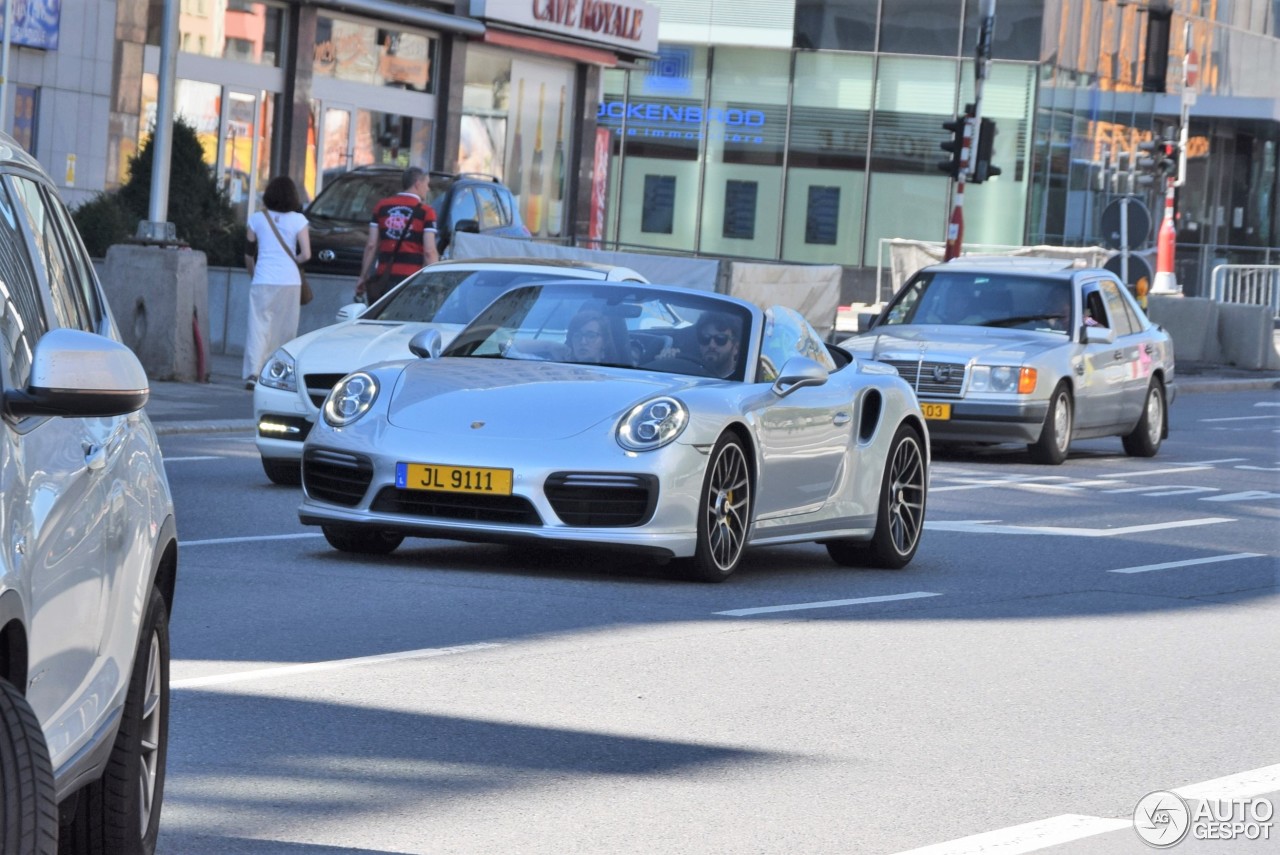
<point>589,338</point>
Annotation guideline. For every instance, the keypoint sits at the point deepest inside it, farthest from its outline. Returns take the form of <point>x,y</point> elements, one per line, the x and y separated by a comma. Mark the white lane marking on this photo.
<point>1166,490</point>
<point>827,604</point>
<point>1027,838</point>
<point>1146,568</point>
<point>1034,836</point>
<point>1241,786</point>
<point>1246,496</point>
<point>991,527</point>
<point>1212,462</point>
<point>190,459</point>
<point>218,541</point>
<point>332,665</point>
<point>1260,468</point>
<point>1190,467</point>
<point>1242,418</point>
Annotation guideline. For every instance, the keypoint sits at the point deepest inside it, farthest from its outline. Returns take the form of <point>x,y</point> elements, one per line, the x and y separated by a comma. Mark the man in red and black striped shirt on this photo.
<point>402,236</point>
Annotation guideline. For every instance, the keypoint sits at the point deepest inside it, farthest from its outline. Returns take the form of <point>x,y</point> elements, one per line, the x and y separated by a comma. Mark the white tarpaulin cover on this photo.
<point>698,273</point>
<point>812,290</point>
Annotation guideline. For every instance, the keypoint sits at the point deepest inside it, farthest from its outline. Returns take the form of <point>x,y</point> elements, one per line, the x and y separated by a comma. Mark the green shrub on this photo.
<point>198,207</point>
<point>104,221</point>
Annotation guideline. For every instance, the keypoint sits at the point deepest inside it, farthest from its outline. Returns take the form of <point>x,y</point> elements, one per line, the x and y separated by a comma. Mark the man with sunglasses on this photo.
<point>718,344</point>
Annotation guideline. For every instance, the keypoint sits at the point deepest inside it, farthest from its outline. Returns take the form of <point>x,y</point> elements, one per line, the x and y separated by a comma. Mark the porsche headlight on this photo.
<point>279,372</point>
<point>652,424</point>
<point>350,399</point>
<point>1002,378</point>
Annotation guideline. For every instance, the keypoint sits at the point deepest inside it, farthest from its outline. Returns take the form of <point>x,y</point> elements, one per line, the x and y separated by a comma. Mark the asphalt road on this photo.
<point>1068,640</point>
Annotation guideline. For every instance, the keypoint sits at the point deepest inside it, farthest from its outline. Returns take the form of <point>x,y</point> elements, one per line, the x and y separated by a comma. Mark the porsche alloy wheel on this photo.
<point>900,513</point>
<point>723,513</point>
<point>1055,436</point>
<point>1145,439</point>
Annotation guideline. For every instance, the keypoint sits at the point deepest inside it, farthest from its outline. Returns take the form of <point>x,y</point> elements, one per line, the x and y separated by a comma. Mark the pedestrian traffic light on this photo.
<point>982,168</point>
<point>955,145</point>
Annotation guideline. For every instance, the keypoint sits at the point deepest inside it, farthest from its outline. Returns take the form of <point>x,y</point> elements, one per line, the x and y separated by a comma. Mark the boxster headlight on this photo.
<point>350,399</point>
<point>652,424</point>
<point>280,372</point>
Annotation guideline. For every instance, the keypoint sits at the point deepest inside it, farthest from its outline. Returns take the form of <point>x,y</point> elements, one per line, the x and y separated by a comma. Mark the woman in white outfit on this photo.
<point>275,289</point>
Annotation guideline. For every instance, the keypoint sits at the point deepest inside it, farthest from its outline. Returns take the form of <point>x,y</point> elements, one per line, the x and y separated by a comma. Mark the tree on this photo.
<point>198,207</point>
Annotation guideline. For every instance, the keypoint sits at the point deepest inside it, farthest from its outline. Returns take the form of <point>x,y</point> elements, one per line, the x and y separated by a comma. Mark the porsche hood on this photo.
<point>518,399</point>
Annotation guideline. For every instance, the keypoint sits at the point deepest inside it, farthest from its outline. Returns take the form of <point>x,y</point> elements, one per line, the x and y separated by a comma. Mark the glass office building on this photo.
<point>810,130</point>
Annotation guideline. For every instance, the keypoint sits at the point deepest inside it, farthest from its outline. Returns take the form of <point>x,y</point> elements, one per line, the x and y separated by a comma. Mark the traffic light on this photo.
<point>1158,159</point>
<point>955,145</point>
<point>982,168</point>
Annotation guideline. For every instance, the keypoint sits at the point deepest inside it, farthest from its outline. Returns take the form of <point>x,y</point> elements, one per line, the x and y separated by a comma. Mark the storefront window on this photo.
<point>908,195</point>
<point>836,24</point>
<point>745,126</point>
<point>360,53</point>
<point>658,130</point>
<point>995,209</point>
<point>225,29</point>
<point>827,162</point>
<point>516,126</point>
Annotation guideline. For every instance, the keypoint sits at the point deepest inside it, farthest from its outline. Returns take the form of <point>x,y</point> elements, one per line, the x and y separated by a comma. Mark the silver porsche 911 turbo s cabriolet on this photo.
<point>677,423</point>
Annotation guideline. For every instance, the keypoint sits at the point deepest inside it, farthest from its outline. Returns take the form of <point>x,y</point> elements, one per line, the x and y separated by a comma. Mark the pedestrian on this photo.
<point>402,237</point>
<point>278,242</point>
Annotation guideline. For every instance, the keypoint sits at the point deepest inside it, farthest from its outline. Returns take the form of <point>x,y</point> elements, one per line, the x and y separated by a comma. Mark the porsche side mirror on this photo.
<point>427,344</point>
<point>798,372</point>
<point>351,311</point>
<point>1099,335</point>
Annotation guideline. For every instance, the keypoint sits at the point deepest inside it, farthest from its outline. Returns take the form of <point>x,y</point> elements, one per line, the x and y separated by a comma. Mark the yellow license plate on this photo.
<point>453,479</point>
<point>940,412</point>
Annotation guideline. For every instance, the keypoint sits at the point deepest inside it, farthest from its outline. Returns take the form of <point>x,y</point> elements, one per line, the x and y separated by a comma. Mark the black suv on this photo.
<point>339,216</point>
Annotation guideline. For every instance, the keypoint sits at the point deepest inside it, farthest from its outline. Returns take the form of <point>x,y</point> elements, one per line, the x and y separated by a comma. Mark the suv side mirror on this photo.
<point>81,375</point>
<point>472,226</point>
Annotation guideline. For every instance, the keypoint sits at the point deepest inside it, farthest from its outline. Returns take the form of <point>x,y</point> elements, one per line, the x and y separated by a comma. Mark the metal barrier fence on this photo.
<point>1252,284</point>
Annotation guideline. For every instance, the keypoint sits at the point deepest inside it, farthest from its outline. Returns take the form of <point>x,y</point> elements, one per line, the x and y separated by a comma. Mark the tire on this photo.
<point>285,472</point>
<point>28,812</point>
<point>365,541</point>
<point>120,813</point>
<point>1145,439</point>
<point>1055,437</point>
<point>899,512</point>
<point>724,513</point>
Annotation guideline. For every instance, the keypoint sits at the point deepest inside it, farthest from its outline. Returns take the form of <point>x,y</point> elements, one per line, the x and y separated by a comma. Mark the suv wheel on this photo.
<point>28,813</point>
<point>121,812</point>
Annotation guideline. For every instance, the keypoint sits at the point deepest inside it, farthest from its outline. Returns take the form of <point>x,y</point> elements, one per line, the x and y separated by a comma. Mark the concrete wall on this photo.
<point>1206,331</point>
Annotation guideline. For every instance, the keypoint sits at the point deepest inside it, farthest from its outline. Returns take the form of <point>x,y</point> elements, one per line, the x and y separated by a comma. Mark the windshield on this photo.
<point>615,324</point>
<point>353,196</point>
<point>449,296</point>
<point>972,298</point>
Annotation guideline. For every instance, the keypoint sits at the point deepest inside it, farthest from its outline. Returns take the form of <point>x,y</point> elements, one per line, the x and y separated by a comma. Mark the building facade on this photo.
<point>809,130</point>
<point>796,130</point>
<point>313,88</point>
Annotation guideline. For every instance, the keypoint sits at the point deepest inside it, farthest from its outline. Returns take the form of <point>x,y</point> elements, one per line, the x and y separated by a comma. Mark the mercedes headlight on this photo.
<point>350,399</point>
<point>652,424</point>
<point>279,372</point>
<point>1002,378</point>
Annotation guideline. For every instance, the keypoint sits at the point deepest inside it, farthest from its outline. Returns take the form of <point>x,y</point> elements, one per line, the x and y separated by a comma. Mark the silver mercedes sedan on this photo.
<point>675,423</point>
<point>1027,353</point>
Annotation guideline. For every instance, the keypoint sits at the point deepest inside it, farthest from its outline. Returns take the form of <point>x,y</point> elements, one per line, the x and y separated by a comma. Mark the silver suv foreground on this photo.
<point>88,550</point>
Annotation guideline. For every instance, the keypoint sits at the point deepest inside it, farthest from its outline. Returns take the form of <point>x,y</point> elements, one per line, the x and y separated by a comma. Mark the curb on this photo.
<point>1222,384</point>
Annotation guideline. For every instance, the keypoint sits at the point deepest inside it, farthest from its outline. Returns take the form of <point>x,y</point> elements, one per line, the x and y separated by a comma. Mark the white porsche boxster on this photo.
<point>677,423</point>
<point>444,296</point>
